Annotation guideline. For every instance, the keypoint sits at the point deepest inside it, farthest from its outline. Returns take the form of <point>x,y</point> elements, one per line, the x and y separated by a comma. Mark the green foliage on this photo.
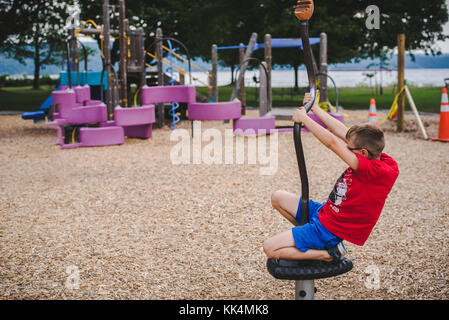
<point>37,27</point>
<point>41,39</point>
<point>23,98</point>
<point>3,79</point>
<point>9,26</point>
<point>201,23</point>
<point>24,81</point>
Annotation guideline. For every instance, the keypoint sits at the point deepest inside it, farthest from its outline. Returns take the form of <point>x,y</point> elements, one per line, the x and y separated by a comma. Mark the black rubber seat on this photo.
<point>307,269</point>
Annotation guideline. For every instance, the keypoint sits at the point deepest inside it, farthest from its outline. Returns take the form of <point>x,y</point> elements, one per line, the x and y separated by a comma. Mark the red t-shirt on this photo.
<point>355,203</point>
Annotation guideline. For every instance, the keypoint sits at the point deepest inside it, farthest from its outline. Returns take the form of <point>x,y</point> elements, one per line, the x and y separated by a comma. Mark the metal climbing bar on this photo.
<point>178,69</point>
<point>185,60</point>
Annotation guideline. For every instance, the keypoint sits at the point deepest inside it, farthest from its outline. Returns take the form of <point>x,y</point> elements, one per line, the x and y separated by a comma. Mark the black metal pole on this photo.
<point>309,61</point>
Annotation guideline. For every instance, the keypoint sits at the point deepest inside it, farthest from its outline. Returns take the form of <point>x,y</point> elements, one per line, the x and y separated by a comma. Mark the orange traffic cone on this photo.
<point>372,116</point>
<point>443,132</point>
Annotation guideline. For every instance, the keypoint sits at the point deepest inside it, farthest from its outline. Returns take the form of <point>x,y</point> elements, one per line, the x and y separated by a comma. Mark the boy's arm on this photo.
<point>327,138</point>
<point>334,126</point>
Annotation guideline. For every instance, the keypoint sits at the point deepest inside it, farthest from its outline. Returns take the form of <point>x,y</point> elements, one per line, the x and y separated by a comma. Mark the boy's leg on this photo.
<point>282,246</point>
<point>287,204</point>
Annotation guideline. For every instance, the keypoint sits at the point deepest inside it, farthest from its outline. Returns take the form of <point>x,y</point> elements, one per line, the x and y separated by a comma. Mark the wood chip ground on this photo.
<point>131,225</point>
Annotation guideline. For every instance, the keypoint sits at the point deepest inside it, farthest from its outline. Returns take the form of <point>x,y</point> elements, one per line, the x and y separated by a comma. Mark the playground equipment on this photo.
<point>131,58</point>
<point>44,113</point>
<point>80,120</point>
<point>83,121</point>
<point>268,116</point>
<point>137,121</point>
<point>303,271</point>
<point>198,111</point>
<point>175,105</point>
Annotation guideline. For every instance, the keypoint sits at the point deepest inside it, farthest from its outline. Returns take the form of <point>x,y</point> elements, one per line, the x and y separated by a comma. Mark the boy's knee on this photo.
<point>276,198</point>
<point>268,248</point>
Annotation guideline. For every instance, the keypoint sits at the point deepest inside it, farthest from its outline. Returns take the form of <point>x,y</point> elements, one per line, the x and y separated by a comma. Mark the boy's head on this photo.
<point>368,137</point>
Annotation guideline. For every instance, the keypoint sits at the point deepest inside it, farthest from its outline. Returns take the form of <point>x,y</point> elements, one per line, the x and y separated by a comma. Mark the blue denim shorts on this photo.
<point>313,235</point>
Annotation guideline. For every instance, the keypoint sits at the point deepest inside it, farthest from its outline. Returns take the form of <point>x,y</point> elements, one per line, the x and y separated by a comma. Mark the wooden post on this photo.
<point>141,47</point>
<point>214,73</point>
<point>74,51</point>
<point>123,56</point>
<point>323,67</point>
<point>107,58</point>
<point>263,96</point>
<point>269,66</point>
<point>160,77</point>
<point>248,53</point>
<point>401,68</point>
<point>242,90</point>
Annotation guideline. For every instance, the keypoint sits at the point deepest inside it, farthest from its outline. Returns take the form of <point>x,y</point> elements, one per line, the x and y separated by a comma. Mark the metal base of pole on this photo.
<point>305,290</point>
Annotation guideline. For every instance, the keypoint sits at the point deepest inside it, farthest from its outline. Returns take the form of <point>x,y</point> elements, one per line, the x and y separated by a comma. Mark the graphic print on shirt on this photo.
<point>338,194</point>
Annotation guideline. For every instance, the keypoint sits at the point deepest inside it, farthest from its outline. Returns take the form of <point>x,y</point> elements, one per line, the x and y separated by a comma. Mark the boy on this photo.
<point>355,203</point>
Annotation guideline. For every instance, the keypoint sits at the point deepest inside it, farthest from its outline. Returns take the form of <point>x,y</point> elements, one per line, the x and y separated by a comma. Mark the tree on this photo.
<point>42,39</point>
<point>8,26</point>
<point>201,23</point>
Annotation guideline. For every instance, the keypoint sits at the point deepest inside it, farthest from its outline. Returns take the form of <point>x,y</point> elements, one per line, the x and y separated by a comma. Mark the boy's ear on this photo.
<point>365,153</point>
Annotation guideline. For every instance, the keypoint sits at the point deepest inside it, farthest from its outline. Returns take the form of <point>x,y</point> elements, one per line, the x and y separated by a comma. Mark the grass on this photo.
<point>427,99</point>
<point>23,98</point>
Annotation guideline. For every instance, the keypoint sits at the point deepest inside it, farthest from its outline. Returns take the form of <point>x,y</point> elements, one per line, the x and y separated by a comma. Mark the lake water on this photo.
<point>285,78</point>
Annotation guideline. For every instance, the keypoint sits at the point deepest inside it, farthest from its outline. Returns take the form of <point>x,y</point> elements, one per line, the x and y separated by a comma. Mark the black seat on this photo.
<point>307,269</point>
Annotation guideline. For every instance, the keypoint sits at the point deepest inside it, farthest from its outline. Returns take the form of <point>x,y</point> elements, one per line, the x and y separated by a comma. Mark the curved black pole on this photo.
<point>265,71</point>
<point>333,82</point>
<point>85,60</point>
<point>68,60</point>
<point>182,45</point>
<point>309,61</point>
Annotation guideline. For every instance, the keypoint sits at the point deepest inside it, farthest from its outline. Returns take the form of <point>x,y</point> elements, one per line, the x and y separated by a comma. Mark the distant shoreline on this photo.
<point>343,78</point>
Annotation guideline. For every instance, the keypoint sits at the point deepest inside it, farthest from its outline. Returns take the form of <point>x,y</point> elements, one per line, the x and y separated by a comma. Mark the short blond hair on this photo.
<point>369,137</point>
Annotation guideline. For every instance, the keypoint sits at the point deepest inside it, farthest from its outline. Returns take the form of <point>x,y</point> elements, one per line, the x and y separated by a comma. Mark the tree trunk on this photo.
<point>37,63</point>
<point>232,74</point>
